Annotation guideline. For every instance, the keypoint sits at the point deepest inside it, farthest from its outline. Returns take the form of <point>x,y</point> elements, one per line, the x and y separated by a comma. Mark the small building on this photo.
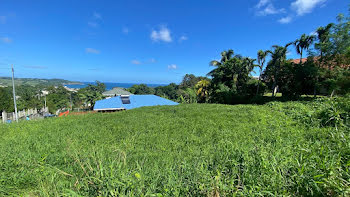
<point>124,102</point>
<point>116,92</point>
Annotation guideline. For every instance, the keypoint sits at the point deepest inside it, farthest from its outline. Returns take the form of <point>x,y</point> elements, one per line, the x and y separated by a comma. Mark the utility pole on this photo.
<point>14,92</point>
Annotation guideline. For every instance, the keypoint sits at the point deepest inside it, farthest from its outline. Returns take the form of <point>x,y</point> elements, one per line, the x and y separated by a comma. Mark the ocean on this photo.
<point>110,86</point>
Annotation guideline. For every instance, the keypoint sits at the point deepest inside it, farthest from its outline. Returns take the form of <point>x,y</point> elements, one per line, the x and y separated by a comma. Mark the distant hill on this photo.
<point>6,81</point>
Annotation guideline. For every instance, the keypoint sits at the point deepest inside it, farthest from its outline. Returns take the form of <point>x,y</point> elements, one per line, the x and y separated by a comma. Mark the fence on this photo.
<point>32,113</point>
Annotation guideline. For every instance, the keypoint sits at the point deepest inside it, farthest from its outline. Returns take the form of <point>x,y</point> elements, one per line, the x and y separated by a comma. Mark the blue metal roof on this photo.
<point>135,102</point>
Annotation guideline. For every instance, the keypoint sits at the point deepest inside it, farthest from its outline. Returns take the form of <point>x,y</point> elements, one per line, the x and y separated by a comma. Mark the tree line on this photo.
<point>322,69</point>
<point>56,97</point>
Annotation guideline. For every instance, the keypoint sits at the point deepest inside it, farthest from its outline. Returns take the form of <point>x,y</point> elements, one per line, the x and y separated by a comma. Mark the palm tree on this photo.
<point>278,57</point>
<point>219,70</point>
<point>323,36</point>
<point>304,42</point>
<point>203,89</point>
<point>261,61</point>
<point>225,56</point>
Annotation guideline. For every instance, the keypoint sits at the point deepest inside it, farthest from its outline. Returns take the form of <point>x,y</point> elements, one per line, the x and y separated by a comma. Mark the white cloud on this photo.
<point>3,19</point>
<point>91,50</point>
<point>6,39</point>
<point>162,35</point>
<point>183,38</point>
<point>270,10</point>
<point>305,6</point>
<point>92,24</point>
<point>285,20</point>
<point>125,30</point>
<point>266,7</point>
<point>97,16</point>
<point>136,62</point>
<point>262,3</point>
<point>172,67</point>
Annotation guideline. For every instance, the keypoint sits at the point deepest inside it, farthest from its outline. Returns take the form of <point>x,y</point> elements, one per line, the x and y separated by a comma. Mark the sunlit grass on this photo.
<point>195,150</point>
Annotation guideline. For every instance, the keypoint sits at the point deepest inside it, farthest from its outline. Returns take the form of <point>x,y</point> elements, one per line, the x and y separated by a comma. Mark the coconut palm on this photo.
<point>225,56</point>
<point>203,89</point>
<point>278,57</point>
<point>304,42</point>
<point>261,61</point>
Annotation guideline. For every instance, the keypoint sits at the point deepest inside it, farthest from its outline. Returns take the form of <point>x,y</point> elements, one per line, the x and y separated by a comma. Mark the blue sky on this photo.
<point>153,41</point>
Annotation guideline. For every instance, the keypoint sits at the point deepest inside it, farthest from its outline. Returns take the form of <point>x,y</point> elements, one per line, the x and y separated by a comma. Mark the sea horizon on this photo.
<point>111,85</point>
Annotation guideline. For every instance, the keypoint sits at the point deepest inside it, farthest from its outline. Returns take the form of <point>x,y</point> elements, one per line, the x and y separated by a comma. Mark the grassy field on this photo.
<point>185,150</point>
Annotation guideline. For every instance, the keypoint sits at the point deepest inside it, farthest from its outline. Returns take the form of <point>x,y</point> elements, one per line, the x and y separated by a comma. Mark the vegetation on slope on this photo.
<point>194,149</point>
<point>7,81</point>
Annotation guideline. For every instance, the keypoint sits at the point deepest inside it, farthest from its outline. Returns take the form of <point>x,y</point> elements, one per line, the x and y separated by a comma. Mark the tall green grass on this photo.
<point>185,150</point>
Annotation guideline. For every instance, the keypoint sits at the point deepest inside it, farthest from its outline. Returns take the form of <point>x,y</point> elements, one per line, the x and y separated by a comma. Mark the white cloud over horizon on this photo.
<point>305,6</point>
<point>91,50</point>
<point>163,34</point>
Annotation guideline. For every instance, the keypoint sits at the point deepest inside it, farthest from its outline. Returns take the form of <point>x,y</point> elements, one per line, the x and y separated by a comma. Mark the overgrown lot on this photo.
<point>185,150</point>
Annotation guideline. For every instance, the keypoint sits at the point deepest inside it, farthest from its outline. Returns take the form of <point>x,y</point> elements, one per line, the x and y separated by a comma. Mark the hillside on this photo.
<point>7,81</point>
<point>194,149</point>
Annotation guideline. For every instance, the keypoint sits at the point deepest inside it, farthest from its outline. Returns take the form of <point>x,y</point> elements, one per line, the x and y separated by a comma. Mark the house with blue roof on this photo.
<point>124,102</point>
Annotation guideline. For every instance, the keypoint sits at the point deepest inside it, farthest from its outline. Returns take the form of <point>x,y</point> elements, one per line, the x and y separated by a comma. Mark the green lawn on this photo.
<point>185,150</point>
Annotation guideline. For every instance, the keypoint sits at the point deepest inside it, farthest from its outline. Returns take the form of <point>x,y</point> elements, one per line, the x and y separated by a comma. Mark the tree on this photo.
<point>225,56</point>
<point>189,81</point>
<point>141,89</point>
<point>233,75</point>
<point>261,61</point>
<point>278,58</point>
<point>304,42</point>
<point>58,98</point>
<point>323,35</point>
<point>6,100</point>
<point>92,93</point>
<point>203,90</point>
<point>169,91</point>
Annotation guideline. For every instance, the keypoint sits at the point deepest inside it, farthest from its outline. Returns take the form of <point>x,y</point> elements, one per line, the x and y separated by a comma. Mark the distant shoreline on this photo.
<point>110,85</point>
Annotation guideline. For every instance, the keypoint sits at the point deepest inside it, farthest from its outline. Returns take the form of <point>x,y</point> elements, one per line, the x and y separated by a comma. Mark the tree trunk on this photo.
<point>301,57</point>
<point>332,93</point>
<point>257,90</point>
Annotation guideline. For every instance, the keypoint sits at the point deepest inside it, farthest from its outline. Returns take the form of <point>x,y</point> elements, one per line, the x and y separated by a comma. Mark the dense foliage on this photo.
<point>58,97</point>
<point>198,149</point>
<point>7,81</point>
